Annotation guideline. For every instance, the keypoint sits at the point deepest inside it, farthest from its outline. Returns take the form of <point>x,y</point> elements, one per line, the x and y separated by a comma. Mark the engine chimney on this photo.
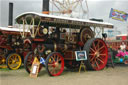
<point>10,23</point>
<point>45,9</point>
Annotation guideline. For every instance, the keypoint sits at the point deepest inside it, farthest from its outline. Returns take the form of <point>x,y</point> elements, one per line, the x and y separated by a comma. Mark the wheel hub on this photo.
<point>3,60</point>
<point>13,61</point>
<point>97,54</point>
<point>56,64</point>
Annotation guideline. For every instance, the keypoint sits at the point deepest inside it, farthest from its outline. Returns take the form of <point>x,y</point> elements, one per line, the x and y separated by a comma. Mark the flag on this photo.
<point>118,15</point>
<point>42,60</point>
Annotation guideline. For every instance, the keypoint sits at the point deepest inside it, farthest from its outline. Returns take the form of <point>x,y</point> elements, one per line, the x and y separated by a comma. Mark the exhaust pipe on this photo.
<point>10,23</point>
<point>45,9</point>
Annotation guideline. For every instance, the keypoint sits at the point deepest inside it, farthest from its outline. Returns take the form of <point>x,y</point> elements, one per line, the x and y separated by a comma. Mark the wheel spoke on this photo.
<point>15,57</point>
<point>59,66</point>
<point>97,63</point>
<point>102,54</point>
<point>56,70</point>
<point>94,46</point>
<point>11,58</point>
<point>100,60</point>
<point>92,50</point>
<point>91,54</point>
<point>53,58</point>
<point>93,64</point>
<point>58,59</point>
<point>92,59</point>
<point>17,62</point>
<point>101,48</point>
<point>97,46</point>
<point>53,70</point>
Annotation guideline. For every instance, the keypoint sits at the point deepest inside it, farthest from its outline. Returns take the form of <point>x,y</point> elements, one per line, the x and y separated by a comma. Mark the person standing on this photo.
<point>123,47</point>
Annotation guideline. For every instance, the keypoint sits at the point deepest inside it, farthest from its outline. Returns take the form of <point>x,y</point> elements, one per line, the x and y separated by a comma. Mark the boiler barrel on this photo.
<point>59,47</point>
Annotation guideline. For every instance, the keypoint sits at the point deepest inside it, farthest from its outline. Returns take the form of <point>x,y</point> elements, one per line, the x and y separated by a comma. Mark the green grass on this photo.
<point>7,69</point>
<point>4,69</point>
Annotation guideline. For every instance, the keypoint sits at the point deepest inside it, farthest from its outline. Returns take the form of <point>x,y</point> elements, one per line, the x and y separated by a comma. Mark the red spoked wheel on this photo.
<point>29,58</point>
<point>97,54</point>
<point>55,64</point>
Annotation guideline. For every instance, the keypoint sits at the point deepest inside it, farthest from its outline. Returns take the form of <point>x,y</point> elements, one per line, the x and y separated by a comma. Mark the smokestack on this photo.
<point>45,9</point>
<point>10,23</point>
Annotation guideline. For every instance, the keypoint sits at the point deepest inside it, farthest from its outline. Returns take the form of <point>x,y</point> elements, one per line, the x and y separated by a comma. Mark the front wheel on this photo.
<point>55,64</point>
<point>14,61</point>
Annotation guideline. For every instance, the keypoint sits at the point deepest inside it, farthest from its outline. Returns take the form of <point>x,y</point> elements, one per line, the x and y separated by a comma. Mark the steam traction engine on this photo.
<point>56,39</point>
<point>11,48</point>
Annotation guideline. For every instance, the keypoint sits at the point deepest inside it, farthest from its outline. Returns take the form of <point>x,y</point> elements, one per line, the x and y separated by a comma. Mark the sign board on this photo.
<point>80,55</point>
<point>35,68</point>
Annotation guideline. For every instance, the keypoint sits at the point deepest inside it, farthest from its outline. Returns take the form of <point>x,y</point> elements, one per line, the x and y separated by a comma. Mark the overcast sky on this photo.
<point>101,9</point>
<point>97,9</point>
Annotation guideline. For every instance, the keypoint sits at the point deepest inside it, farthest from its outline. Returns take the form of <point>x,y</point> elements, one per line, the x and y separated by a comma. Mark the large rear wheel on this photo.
<point>55,64</point>
<point>97,54</point>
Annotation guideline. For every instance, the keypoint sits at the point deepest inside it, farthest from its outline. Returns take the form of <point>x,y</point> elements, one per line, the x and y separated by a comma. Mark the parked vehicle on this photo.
<point>55,39</point>
<point>12,50</point>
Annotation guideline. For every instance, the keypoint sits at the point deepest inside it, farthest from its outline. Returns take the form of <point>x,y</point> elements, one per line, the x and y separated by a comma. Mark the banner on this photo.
<point>118,15</point>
